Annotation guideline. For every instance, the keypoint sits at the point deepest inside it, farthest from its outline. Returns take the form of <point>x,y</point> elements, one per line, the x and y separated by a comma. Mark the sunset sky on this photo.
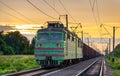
<point>22,16</point>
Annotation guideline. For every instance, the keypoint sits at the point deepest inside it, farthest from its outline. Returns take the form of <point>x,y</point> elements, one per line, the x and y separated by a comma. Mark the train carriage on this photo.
<point>89,52</point>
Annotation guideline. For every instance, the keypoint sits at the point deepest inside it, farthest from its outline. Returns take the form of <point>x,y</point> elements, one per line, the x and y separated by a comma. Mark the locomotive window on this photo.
<point>55,36</point>
<point>72,38</point>
<point>68,36</point>
<point>43,36</point>
<point>78,43</point>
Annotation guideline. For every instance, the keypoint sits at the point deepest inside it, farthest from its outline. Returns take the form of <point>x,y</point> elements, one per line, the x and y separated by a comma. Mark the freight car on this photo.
<point>56,45</point>
<point>89,52</point>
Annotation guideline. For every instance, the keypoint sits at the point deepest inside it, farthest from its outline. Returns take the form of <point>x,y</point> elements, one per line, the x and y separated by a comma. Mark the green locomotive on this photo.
<point>55,46</point>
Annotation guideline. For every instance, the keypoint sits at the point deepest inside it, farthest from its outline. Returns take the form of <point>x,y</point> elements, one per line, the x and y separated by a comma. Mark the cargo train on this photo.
<point>56,46</point>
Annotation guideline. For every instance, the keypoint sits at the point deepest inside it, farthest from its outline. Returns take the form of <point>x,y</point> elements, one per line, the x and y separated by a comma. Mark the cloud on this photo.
<point>4,28</point>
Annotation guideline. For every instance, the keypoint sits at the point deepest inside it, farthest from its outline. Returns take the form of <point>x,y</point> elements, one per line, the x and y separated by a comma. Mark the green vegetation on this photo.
<point>116,64</point>
<point>116,73</point>
<point>16,46</point>
<point>15,43</point>
<point>16,63</point>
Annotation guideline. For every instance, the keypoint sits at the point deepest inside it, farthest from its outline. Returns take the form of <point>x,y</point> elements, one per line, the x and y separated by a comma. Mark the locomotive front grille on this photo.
<point>46,62</point>
<point>48,58</point>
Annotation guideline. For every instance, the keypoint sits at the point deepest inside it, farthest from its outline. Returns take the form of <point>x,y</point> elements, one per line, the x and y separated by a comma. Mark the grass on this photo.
<point>114,65</point>
<point>116,73</point>
<point>16,63</point>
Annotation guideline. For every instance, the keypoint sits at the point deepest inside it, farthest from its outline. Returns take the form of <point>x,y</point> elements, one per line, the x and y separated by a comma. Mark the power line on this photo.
<point>79,25</point>
<point>66,10</point>
<point>51,7</point>
<point>92,5</point>
<point>92,8</point>
<point>99,20</point>
<point>15,17</point>
<point>98,15</point>
<point>15,11</point>
<point>40,10</point>
<point>106,29</point>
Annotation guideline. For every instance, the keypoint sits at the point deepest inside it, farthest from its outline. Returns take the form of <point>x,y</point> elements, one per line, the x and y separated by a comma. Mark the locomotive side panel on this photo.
<point>79,48</point>
<point>73,49</point>
<point>70,48</point>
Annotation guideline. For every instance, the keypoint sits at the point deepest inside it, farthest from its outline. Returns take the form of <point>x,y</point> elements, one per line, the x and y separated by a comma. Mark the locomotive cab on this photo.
<point>49,47</point>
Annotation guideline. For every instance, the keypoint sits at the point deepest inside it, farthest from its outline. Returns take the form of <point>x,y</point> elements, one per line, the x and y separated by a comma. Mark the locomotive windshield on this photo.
<point>43,36</point>
<point>55,36</point>
<point>50,36</point>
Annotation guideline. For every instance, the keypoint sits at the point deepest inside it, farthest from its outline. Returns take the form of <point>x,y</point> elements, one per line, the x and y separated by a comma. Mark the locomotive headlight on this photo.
<point>39,45</point>
<point>58,45</point>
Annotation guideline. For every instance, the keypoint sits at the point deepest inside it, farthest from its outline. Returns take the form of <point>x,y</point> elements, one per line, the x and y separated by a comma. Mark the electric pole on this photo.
<point>66,21</point>
<point>66,18</point>
<point>109,45</point>
<point>82,35</point>
<point>113,44</point>
<point>88,40</point>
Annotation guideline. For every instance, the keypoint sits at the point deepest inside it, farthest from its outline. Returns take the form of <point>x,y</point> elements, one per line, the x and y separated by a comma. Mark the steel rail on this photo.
<point>86,68</point>
<point>102,69</point>
<point>22,72</point>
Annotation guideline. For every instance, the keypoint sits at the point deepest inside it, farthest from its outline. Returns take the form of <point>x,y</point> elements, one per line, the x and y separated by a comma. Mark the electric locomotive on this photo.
<point>55,46</point>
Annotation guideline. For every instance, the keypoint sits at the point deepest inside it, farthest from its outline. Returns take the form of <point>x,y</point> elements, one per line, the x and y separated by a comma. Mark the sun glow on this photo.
<point>24,27</point>
<point>27,29</point>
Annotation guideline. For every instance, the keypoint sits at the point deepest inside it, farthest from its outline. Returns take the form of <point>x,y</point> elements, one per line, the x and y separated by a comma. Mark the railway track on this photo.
<point>74,70</point>
<point>95,69</point>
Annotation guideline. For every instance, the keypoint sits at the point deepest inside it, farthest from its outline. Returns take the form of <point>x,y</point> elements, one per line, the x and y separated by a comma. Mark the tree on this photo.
<point>32,46</point>
<point>117,51</point>
<point>1,35</point>
<point>15,43</point>
<point>16,40</point>
<point>5,49</point>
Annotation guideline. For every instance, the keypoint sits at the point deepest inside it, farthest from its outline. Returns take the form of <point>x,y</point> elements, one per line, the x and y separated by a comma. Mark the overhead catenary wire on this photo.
<point>96,15</point>
<point>66,10</point>
<point>92,5</point>
<point>92,8</point>
<point>99,20</point>
<point>74,21</point>
<point>15,17</point>
<point>106,30</point>
<point>40,9</point>
<point>51,7</point>
<point>16,11</point>
<point>79,25</point>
